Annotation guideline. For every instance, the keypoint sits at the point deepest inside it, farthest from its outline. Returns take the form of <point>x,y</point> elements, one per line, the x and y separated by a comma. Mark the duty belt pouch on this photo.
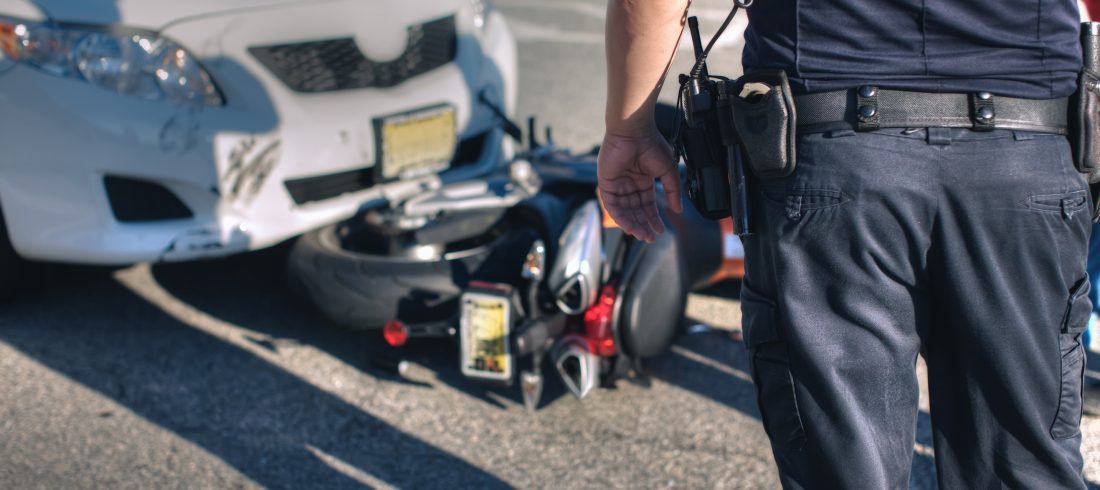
<point>1085,125</point>
<point>1084,113</point>
<point>764,116</point>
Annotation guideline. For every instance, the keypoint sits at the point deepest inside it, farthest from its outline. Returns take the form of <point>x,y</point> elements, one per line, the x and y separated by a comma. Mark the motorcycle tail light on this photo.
<point>597,322</point>
<point>396,333</point>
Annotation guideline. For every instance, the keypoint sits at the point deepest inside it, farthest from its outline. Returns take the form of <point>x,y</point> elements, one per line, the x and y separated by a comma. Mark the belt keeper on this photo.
<point>867,113</point>
<point>983,116</point>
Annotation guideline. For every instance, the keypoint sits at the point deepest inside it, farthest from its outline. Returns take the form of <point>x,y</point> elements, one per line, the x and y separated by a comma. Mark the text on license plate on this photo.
<point>486,350</point>
<point>417,143</point>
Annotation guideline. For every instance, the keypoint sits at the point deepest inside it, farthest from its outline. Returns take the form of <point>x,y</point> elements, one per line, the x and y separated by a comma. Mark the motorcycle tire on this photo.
<point>361,290</point>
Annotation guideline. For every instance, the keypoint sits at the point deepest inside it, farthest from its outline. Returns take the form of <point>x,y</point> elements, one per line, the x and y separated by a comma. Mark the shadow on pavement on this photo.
<point>269,424</point>
<point>710,365</point>
<point>730,289</point>
<point>250,291</point>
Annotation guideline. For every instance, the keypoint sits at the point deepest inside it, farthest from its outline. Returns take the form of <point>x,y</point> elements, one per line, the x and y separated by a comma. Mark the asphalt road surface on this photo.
<point>211,375</point>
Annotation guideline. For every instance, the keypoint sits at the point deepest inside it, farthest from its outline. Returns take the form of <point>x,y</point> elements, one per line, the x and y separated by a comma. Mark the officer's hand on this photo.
<point>627,168</point>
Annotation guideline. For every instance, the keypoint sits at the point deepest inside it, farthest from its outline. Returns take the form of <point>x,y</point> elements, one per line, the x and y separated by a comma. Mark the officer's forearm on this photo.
<point>642,36</point>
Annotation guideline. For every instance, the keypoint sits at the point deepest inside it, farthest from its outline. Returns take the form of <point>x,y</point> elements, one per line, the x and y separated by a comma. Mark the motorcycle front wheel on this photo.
<point>348,273</point>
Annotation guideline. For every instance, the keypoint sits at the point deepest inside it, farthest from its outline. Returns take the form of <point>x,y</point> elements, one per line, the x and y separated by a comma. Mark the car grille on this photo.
<point>337,64</point>
<point>323,187</point>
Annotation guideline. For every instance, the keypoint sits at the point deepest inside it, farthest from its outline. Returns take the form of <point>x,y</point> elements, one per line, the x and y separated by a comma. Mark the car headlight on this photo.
<point>482,9</point>
<point>136,63</point>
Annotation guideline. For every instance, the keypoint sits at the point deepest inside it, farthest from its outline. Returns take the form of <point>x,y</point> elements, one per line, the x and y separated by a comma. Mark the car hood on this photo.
<point>152,14</point>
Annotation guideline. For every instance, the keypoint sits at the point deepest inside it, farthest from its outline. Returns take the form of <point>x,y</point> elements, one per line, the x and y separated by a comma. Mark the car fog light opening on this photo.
<point>129,62</point>
<point>134,200</point>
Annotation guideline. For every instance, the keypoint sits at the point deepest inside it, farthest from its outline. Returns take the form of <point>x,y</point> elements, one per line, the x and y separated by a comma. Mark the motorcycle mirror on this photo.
<point>532,143</point>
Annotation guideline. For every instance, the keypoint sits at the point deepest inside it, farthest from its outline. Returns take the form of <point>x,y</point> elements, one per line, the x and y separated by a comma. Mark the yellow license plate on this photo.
<point>417,143</point>
<point>486,337</point>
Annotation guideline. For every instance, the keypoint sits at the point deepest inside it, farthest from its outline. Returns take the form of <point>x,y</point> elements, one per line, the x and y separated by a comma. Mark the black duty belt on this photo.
<point>869,108</point>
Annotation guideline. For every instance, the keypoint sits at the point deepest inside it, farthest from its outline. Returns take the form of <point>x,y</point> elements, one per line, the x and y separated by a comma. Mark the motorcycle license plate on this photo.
<point>486,331</point>
<point>416,143</point>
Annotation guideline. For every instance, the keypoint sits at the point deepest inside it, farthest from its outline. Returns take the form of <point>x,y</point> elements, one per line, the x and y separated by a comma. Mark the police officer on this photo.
<point>934,210</point>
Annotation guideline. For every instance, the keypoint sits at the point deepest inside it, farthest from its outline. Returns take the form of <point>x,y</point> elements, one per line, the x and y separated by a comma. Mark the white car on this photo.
<point>163,130</point>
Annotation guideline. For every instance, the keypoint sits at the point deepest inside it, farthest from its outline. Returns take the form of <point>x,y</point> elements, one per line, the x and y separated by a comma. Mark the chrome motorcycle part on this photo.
<point>578,366</point>
<point>575,276</point>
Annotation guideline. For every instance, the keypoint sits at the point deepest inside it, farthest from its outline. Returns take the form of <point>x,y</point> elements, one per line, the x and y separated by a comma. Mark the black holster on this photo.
<point>1084,114</point>
<point>764,114</point>
<point>731,133</point>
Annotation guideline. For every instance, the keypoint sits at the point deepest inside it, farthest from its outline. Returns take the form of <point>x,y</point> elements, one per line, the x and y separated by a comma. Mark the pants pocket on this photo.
<point>1067,420</point>
<point>1066,204</point>
<point>771,372</point>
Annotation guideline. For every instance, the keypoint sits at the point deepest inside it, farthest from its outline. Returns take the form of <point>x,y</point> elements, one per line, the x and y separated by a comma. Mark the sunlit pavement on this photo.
<point>211,375</point>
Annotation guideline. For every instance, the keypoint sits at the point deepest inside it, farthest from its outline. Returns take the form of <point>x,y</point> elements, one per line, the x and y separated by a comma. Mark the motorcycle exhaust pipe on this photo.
<point>577,365</point>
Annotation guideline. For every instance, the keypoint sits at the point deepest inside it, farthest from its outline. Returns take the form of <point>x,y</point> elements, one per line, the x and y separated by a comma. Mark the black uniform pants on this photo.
<point>967,247</point>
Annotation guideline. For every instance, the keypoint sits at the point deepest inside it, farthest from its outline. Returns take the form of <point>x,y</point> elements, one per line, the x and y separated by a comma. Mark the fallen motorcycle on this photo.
<point>518,267</point>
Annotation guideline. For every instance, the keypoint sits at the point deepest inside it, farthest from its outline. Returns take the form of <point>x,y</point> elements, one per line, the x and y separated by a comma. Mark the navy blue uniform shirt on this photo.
<point>1017,48</point>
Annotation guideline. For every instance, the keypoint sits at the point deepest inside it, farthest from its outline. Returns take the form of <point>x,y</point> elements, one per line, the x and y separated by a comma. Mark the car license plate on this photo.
<point>416,143</point>
<point>486,336</point>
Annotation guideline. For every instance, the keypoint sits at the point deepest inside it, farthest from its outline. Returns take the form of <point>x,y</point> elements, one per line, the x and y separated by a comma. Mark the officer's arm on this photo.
<point>642,36</point>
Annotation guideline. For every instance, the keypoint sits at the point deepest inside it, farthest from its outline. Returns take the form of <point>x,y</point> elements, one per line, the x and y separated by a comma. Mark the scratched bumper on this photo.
<point>57,208</point>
